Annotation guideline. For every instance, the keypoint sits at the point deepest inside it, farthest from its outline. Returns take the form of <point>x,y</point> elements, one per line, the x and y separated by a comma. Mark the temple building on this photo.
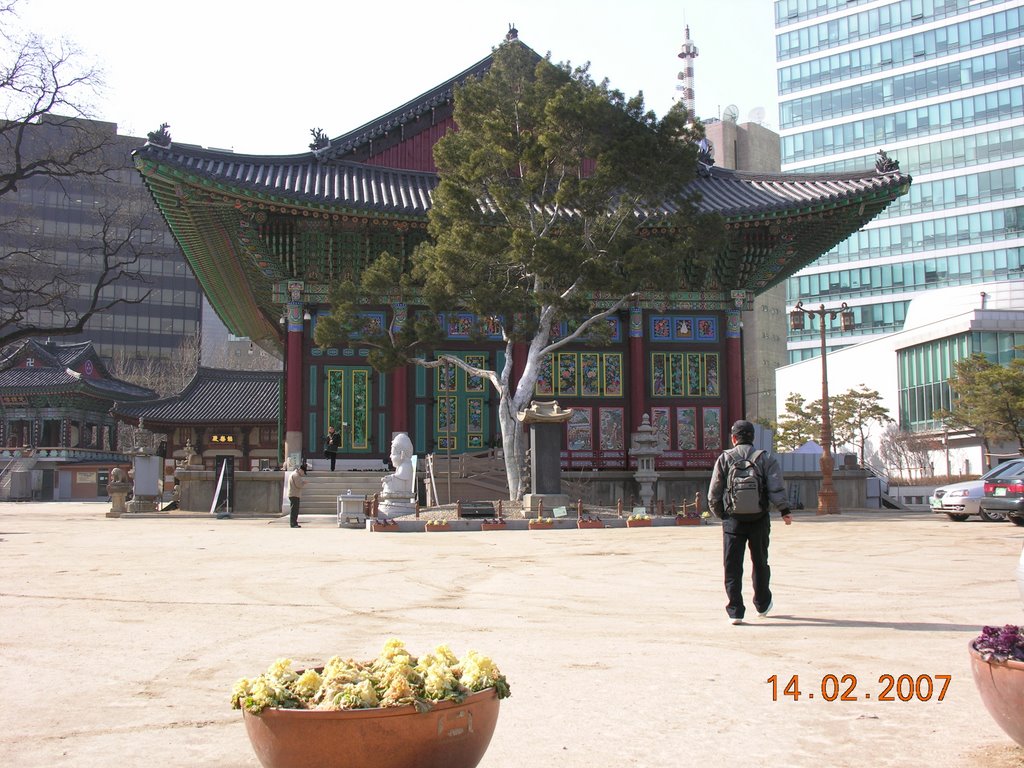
<point>268,235</point>
<point>58,436</point>
<point>218,413</point>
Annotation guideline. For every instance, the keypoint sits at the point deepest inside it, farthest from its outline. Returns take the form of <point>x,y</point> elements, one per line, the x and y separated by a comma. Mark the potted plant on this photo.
<point>397,710</point>
<point>437,525</point>
<point>638,520</point>
<point>688,517</point>
<point>383,525</point>
<point>997,665</point>
<point>540,523</point>
<point>589,521</point>
<point>493,524</point>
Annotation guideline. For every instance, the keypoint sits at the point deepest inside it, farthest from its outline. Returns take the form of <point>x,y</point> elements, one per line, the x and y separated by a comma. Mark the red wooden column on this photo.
<point>637,379</point>
<point>398,379</point>
<point>293,380</point>
<point>520,351</point>
<point>734,407</point>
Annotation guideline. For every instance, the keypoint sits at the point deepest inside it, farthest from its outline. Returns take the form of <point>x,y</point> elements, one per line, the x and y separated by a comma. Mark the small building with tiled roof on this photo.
<point>218,413</point>
<point>267,235</point>
<point>56,401</point>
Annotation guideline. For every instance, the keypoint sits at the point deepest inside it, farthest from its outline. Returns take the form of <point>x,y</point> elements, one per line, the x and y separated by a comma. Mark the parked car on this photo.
<point>1004,495</point>
<point>959,501</point>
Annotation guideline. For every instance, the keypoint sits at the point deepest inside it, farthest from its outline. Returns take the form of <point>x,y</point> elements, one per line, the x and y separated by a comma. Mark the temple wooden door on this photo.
<point>348,396</point>
<point>462,415</point>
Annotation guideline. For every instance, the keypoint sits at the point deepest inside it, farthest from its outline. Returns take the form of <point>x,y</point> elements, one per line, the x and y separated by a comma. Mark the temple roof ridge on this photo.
<point>214,395</point>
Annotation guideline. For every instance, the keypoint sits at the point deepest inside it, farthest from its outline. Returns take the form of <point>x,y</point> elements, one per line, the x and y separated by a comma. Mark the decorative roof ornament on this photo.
<point>160,137</point>
<point>513,33</point>
<point>884,163</point>
<point>705,157</point>
<point>321,143</point>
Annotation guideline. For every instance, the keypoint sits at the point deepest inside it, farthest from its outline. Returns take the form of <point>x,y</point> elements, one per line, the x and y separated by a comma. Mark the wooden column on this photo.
<point>398,379</point>
<point>734,405</point>
<point>637,379</point>
<point>293,399</point>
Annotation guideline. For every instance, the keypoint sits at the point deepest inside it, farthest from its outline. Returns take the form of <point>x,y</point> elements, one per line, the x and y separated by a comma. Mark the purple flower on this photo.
<point>1000,643</point>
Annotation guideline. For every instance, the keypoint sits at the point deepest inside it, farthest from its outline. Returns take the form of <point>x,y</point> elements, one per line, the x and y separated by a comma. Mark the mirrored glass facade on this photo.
<point>938,85</point>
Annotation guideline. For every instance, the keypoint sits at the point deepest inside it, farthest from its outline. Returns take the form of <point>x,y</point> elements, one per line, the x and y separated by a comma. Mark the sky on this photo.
<point>256,77</point>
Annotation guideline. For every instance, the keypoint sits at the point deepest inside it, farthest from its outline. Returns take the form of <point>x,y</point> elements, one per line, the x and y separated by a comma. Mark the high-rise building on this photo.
<point>939,86</point>
<point>64,219</point>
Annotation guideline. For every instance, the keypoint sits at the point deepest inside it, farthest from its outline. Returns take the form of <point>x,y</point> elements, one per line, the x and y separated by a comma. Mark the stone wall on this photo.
<point>255,492</point>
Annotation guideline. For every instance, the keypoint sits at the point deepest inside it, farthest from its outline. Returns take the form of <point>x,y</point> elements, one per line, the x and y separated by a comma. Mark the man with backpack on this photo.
<point>743,484</point>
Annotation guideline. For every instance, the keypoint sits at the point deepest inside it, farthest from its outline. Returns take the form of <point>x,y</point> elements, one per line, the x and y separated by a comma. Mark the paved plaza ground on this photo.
<point>122,638</point>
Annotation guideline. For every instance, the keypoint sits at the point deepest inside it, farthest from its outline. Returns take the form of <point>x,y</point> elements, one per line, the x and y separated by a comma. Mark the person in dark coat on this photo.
<point>753,533</point>
<point>332,442</point>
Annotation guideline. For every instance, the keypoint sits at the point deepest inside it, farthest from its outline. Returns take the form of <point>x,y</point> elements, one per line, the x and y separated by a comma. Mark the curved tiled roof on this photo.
<point>345,185</point>
<point>51,372</point>
<point>738,194</point>
<point>408,112</point>
<point>52,380</point>
<point>335,183</point>
<point>214,396</point>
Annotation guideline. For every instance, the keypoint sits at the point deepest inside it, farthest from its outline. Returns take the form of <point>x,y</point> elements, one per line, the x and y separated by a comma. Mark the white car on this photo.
<point>959,501</point>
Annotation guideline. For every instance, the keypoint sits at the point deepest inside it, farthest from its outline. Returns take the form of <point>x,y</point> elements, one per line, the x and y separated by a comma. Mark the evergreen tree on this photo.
<point>988,398</point>
<point>853,412</point>
<point>799,423</point>
<point>559,200</point>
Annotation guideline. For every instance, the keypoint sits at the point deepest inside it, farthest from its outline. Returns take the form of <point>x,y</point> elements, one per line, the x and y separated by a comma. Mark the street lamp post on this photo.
<point>828,501</point>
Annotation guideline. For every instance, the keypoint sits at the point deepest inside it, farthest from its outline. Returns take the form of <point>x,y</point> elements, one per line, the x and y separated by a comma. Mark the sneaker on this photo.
<point>733,620</point>
<point>295,525</point>
<point>767,610</point>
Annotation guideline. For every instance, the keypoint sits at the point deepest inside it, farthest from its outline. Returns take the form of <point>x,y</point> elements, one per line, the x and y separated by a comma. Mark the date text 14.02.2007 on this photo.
<point>845,688</point>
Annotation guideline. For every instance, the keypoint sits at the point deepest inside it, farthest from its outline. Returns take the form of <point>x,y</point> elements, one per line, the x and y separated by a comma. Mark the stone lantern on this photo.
<point>645,449</point>
<point>546,420</point>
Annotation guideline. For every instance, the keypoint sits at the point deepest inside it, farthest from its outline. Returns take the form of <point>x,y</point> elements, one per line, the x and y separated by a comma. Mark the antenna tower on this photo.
<point>685,86</point>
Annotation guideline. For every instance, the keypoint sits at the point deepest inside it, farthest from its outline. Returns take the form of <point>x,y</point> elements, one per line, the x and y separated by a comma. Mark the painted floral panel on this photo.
<point>580,430</point>
<point>611,421</point>
<point>613,375</point>
<point>590,374</point>
<point>686,429</point>
<point>712,429</point>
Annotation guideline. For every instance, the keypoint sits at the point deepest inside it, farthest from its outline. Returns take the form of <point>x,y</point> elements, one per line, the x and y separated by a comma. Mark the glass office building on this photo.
<point>939,86</point>
<point>60,219</point>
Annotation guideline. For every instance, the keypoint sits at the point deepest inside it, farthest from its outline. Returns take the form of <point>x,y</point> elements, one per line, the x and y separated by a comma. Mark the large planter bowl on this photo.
<point>450,735</point>
<point>1020,574</point>
<point>1001,685</point>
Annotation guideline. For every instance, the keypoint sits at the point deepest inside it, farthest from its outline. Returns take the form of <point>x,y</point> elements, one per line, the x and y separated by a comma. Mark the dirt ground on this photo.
<point>122,638</point>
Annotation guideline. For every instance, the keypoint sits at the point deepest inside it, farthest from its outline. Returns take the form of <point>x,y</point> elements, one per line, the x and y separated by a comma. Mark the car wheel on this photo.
<point>1017,520</point>
<point>956,518</point>
<point>992,517</point>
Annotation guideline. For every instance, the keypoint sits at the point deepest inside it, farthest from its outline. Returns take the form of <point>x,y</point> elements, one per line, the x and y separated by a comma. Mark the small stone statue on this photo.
<point>400,483</point>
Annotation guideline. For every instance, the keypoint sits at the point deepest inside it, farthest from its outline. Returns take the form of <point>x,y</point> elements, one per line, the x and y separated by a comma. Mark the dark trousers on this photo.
<point>293,515</point>
<point>333,456</point>
<point>737,537</point>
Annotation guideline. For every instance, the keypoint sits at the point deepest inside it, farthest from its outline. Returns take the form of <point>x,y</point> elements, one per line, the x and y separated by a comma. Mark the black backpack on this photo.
<point>744,487</point>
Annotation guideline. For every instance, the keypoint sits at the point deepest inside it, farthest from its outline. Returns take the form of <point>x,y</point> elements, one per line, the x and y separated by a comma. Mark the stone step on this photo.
<point>320,494</point>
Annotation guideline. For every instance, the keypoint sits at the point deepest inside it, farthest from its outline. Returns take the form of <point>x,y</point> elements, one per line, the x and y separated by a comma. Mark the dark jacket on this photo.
<point>332,442</point>
<point>775,488</point>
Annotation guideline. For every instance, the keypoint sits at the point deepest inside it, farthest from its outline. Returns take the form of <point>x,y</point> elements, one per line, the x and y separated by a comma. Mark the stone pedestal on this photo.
<point>389,508</point>
<point>118,494</point>
<point>531,501</point>
<point>143,505</point>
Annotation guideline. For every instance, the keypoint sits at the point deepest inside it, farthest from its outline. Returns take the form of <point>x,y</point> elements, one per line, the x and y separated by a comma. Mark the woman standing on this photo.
<point>332,442</point>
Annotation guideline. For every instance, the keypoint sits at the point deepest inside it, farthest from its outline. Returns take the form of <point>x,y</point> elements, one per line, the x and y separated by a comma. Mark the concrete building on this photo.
<point>911,369</point>
<point>938,85</point>
<point>752,147</point>
<point>60,218</point>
